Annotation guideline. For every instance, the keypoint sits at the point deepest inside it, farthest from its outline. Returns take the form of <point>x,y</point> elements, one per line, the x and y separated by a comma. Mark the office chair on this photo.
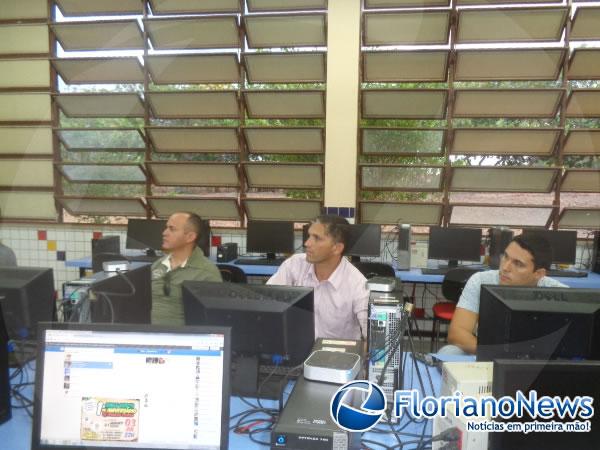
<point>232,274</point>
<point>375,269</point>
<point>452,287</point>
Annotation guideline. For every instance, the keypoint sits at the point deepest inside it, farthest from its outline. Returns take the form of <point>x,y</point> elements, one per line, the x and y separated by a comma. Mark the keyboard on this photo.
<point>259,261</point>
<point>566,273</point>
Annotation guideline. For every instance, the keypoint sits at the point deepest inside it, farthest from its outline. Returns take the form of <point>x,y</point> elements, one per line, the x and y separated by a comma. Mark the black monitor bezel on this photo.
<point>493,345</point>
<point>38,391</point>
<point>470,236</point>
<point>563,240</point>
<point>155,243</point>
<point>37,273</point>
<point>284,230</point>
<point>499,389</point>
<point>364,239</point>
<point>228,309</point>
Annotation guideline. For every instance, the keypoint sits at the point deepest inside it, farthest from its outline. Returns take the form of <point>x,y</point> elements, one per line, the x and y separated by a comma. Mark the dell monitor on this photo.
<point>124,297</point>
<point>552,379</point>
<point>363,240</point>
<point>454,244</point>
<point>145,234</point>
<point>538,323</point>
<point>27,296</point>
<point>131,387</point>
<point>563,243</point>
<point>268,322</point>
<point>270,237</point>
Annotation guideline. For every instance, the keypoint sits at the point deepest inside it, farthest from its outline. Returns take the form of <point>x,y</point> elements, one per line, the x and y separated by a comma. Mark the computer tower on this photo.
<point>5,411</point>
<point>596,253</point>
<point>385,312</point>
<point>404,238</point>
<point>227,252</point>
<point>499,240</point>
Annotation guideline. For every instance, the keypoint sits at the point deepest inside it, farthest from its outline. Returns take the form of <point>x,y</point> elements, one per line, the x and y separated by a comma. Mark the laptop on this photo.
<point>131,387</point>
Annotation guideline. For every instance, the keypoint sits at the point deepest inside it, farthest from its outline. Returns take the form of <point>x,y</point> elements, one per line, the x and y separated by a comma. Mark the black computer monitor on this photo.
<point>268,322</point>
<point>27,296</point>
<point>270,237</point>
<point>131,387</point>
<point>563,243</point>
<point>145,234</point>
<point>106,248</point>
<point>538,323</point>
<point>364,240</point>
<point>553,379</point>
<point>454,244</point>
<point>124,297</point>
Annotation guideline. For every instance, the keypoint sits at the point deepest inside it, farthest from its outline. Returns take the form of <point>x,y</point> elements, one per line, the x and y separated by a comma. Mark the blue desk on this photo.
<point>414,275</point>
<point>16,433</point>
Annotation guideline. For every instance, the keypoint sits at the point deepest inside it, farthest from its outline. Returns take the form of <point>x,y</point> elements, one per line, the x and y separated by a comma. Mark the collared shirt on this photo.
<point>469,298</point>
<point>167,303</point>
<point>341,301</point>
<point>167,263</point>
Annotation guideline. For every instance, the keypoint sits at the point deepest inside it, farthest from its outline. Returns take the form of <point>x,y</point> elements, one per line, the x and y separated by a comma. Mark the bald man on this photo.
<point>184,261</point>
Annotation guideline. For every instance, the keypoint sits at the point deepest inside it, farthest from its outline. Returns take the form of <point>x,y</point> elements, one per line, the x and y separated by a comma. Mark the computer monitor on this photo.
<point>538,323</point>
<point>553,379</point>
<point>131,387</point>
<point>124,297</point>
<point>145,234</point>
<point>267,321</point>
<point>107,248</point>
<point>270,237</point>
<point>454,244</point>
<point>27,296</point>
<point>364,240</point>
<point>563,243</point>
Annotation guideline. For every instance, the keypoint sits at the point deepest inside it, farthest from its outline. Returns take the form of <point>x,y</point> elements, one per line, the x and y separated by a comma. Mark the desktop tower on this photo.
<point>595,263</point>
<point>499,240</point>
<point>385,312</point>
<point>404,238</point>
<point>5,412</point>
<point>227,252</point>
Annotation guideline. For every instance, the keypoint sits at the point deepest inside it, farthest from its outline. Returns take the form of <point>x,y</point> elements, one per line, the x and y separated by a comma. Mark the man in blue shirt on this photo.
<point>524,263</point>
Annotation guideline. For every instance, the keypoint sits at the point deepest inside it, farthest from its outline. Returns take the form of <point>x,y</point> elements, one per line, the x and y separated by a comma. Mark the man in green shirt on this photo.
<point>184,261</point>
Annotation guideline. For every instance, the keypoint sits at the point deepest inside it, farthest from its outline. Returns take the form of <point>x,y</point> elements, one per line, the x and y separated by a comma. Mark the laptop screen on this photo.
<point>100,385</point>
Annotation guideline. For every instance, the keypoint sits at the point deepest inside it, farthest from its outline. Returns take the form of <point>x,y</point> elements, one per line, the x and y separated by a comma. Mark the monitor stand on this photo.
<point>271,256</point>
<point>354,259</point>
<point>150,252</point>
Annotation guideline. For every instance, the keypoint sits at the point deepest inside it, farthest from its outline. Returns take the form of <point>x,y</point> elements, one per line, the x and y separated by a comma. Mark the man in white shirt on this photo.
<point>524,263</point>
<point>340,293</point>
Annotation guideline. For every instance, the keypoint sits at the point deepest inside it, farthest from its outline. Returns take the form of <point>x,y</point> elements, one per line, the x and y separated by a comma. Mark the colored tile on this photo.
<point>97,234</point>
<point>42,235</point>
<point>51,246</point>
<point>61,255</point>
<point>215,241</point>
